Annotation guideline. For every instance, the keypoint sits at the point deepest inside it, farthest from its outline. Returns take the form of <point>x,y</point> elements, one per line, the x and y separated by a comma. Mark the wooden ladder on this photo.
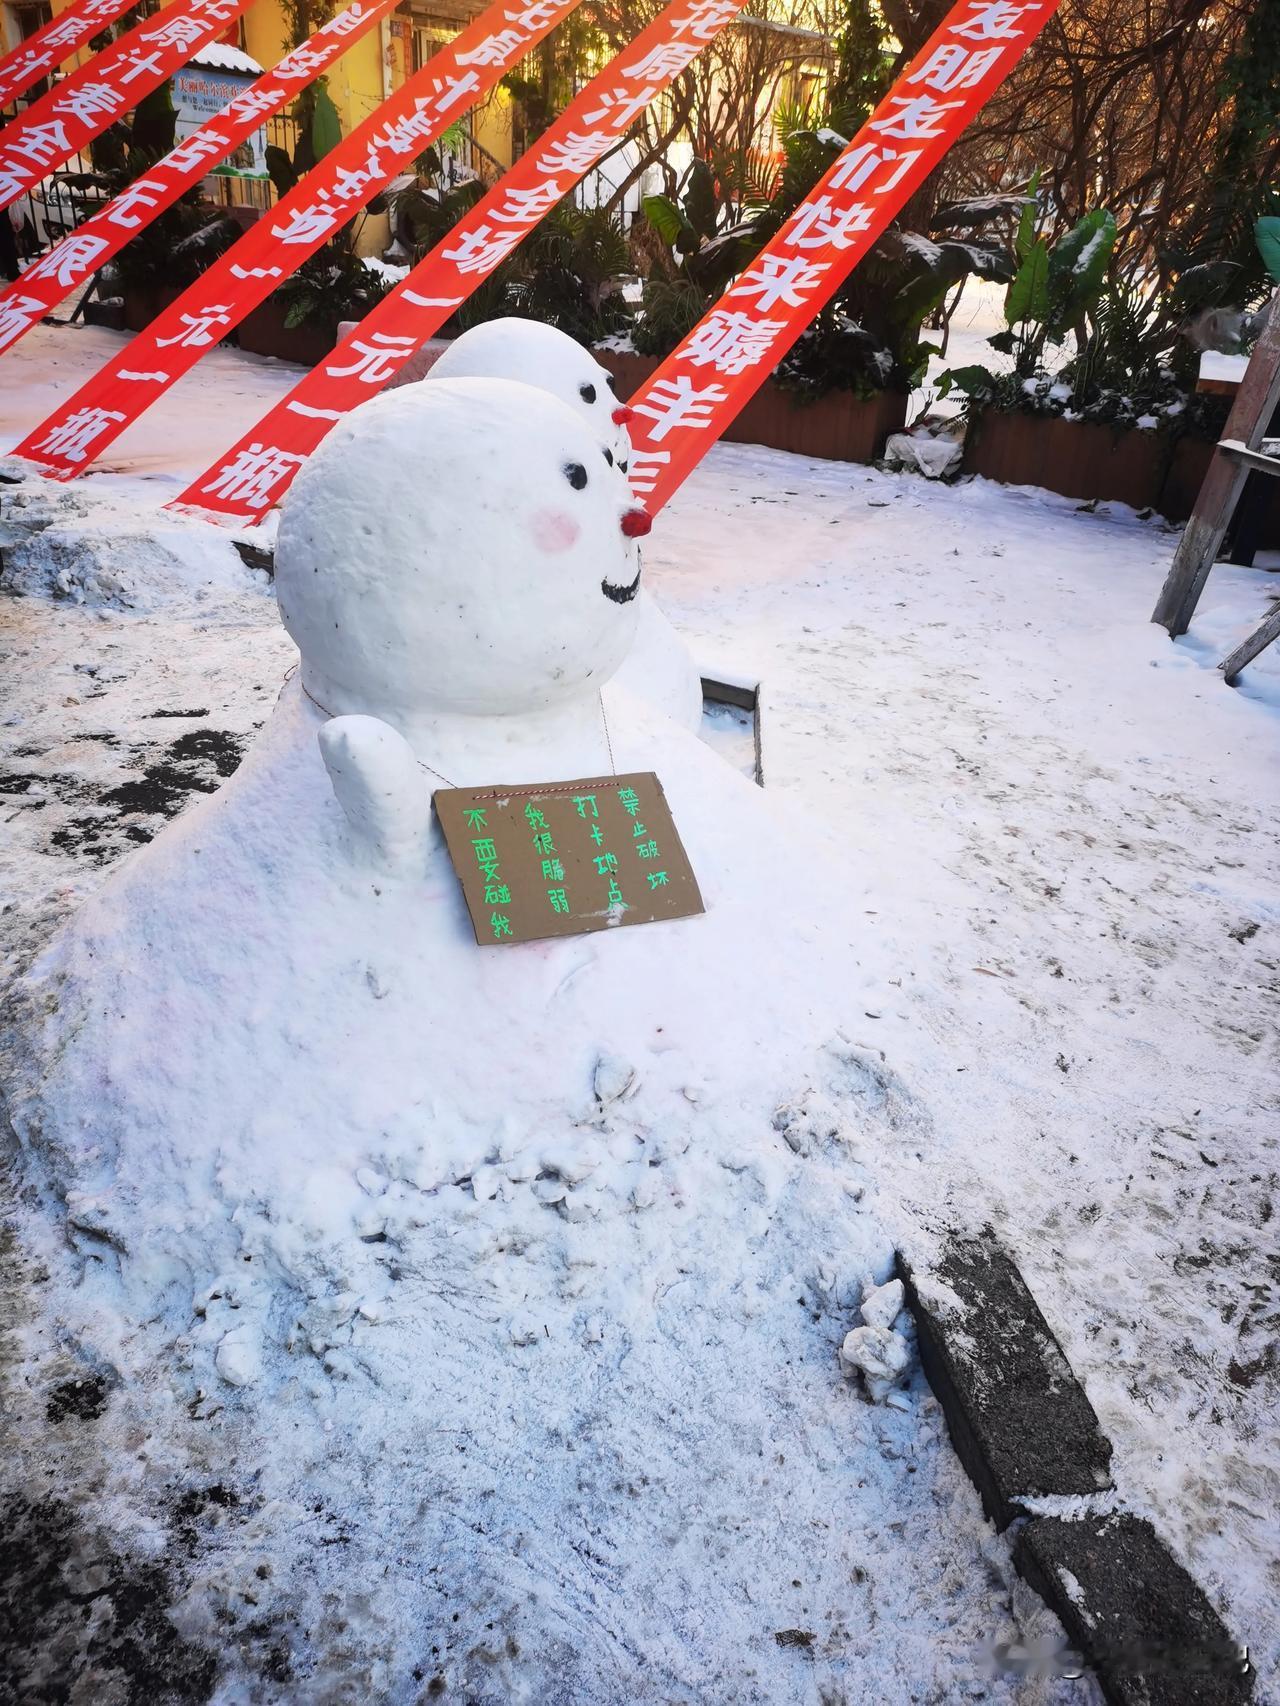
<point>1239,454</point>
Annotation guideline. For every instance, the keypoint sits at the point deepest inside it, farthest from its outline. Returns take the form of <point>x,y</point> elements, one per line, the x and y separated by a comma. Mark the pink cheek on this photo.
<point>553,530</point>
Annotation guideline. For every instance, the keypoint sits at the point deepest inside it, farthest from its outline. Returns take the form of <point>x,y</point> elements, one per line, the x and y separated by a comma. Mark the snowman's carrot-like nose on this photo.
<point>636,523</point>
<point>622,414</point>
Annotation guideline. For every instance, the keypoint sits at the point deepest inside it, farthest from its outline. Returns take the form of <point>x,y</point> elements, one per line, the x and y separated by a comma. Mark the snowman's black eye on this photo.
<point>608,456</point>
<point>576,475</point>
<point>612,383</point>
<point>587,393</point>
<point>623,466</point>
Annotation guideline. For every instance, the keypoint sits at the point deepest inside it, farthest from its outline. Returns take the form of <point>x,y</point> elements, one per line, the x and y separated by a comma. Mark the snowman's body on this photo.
<point>559,1197</point>
<point>658,667</point>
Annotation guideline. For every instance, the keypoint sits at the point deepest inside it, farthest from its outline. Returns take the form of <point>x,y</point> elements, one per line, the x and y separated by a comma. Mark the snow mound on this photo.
<point>539,1258</point>
<point>99,552</point>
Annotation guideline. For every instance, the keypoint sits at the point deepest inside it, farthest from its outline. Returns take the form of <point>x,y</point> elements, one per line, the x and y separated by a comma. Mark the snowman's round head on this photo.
<point>539,355</point>
<point>456,547</point>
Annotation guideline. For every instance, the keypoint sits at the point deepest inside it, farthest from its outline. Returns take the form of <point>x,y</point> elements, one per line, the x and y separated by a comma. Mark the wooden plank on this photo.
<point>1248,649</point>
<point>1247,458</point>
<point>1202,537</point>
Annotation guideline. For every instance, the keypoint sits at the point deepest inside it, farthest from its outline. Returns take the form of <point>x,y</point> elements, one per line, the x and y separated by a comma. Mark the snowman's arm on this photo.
<point>380,788</point>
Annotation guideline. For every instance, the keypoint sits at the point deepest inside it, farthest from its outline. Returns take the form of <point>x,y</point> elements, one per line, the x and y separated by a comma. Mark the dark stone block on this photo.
<point>1020,1421</point>
<point>254,557</point>
<point>1133,1612</point>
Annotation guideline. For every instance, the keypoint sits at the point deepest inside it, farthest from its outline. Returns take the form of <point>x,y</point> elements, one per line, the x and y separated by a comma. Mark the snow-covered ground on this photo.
<point>1058,826</point>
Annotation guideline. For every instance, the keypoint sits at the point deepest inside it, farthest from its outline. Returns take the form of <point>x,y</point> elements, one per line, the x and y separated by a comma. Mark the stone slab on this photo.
<point>1133,1612</point>
<point>1019,1419</point>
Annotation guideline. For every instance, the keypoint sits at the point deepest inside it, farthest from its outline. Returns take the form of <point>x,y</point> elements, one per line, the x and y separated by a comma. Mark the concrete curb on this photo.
<point>1025,1430</point>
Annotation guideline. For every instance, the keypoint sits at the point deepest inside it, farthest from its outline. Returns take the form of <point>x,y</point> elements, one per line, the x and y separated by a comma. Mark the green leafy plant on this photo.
<point>1266,232</point>
<point>1054,289</point>
<point>174,249</point>
<point>565,273</point>
<point>428,208</point>
<point>319,131</point>
<point>708,243</point>
<point>869,338</point>
<point>1057,292</point>
<point>330,286</point>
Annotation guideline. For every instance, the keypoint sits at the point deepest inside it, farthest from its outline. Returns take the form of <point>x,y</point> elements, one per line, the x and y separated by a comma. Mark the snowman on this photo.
<point>659,666</point>
<point>497,1249</point>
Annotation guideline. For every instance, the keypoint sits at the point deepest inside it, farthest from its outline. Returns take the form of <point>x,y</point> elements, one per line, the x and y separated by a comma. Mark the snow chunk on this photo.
<point>614,1080</point>
<point>239,1356</point>
<point>880,1355</point>
<point>882,1304</point>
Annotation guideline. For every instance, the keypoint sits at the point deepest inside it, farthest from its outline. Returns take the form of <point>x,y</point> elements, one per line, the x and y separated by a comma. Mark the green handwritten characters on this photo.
<point>586,805</point>
<point>615,894</point>
<point>559,900</point>
<point>629,801</point>
<point>500,925</point>
<point>658,879</point>
<point>552,871</point>
<point>486,852</point>
<point>597,834</point>
<point>534,818</point>
<point>606,863</point>
<point>475,816</point>
<point>647,849</point>
<point>543,844</point>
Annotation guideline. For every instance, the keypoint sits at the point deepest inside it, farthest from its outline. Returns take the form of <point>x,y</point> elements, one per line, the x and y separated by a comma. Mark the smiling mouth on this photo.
<point>621,594</point>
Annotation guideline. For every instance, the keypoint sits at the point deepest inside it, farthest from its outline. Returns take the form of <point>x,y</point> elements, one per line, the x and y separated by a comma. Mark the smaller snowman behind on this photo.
<point>659,668</point>
<point>549,360</point>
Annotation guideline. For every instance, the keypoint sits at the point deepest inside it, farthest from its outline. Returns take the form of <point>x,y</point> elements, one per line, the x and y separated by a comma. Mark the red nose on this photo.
<point>622,414</point>
<point>636,523</point>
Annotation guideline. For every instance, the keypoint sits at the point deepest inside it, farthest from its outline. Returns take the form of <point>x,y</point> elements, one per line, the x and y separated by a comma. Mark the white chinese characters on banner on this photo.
<point>763,312</point>
<point>481,240</point>
<point>697,391</point>
<point>254,475</point>
<point>347,177</point>
<point>219,131</point>
<point>68,116</point>
<point>54,42</point>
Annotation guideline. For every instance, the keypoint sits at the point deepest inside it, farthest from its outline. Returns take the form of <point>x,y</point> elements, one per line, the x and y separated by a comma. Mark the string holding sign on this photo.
<point>85,104</point>
<point>82,251</point>
<point>257,471</point>
<point>687,404</point>
<point>68,440</point>
<point>54,43</point>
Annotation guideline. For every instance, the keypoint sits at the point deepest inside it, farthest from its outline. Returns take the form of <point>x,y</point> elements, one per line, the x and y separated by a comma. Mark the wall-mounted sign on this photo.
<point>199,92</point>
<point>564,858</point>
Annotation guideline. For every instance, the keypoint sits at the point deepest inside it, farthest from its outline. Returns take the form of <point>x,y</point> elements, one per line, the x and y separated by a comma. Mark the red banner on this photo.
<point>82,106</point>
<point>46,281</point>
<point>54,43</point>
<point>333,190</point>
<point>734,348</point>
<point>258,470</point>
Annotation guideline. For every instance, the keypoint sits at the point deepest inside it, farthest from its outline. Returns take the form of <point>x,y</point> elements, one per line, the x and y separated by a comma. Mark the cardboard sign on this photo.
<point>564,858</point>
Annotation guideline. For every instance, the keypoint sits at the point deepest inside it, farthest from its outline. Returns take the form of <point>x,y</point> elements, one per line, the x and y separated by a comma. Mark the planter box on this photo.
<point>264,332</point>
<point>839,427</point>
<point>142,306</point>
<point>1081,459</point>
